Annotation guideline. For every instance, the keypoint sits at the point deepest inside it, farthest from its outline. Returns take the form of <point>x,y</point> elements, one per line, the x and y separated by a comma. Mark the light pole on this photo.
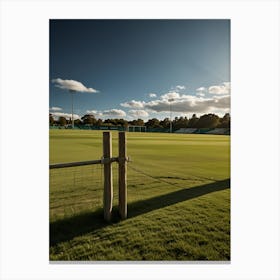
<point>72,93</point>
<point>170,100</point>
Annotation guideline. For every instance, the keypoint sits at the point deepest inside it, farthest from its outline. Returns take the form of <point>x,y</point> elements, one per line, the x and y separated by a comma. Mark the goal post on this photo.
<point>136,128</point>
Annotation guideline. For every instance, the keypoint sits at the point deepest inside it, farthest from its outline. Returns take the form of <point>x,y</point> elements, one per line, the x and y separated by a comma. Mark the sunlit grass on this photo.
<point>178,199</point>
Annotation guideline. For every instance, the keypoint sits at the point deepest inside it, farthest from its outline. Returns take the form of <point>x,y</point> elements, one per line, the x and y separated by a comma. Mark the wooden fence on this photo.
<point>107,161</point>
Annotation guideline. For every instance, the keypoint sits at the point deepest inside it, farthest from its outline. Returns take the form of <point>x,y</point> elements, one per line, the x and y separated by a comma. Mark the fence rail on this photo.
<point>82,163</point>
<point>108,182</point>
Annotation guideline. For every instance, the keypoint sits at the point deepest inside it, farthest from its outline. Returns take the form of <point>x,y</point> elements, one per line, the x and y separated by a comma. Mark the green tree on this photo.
<point>77,122</point>
<point>208,121</point>
<point>193,121</point>
<point>153,123</point>
<point>165,123</point>
<point>109,122</point>
<point>51,119</point>
<point>99,122</point>
<point>225,121</point>
<point>138,122</point>
<point>181,122</point>
<point>89,119</point>
<point>122,122</point>
<point>62,121</point>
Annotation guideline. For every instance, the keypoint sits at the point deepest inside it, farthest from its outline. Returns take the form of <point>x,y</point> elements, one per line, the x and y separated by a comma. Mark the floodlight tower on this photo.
<point>170,100</point>
<point>72,91</point>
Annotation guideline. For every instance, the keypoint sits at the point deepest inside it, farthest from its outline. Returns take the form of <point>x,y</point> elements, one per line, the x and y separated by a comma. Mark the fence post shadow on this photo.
<point>154,203</point>
<point>69,228</point>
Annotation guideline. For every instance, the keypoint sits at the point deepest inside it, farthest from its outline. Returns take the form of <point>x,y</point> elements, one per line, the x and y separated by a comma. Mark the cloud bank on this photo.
<point>189,103</point>
<point>138,113</point>
<point>72,85</point>
<point>218,100</point>
<point>55,109</point>
<point>220,89</point>
<point>68,116</point>
<point>112,113</point>
<point>132,104</point>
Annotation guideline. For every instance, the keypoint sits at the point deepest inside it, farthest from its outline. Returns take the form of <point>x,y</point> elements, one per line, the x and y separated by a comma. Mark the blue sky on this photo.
<point>139,68</point>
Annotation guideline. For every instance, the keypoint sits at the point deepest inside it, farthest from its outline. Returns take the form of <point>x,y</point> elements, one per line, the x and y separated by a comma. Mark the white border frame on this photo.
<point>254,157</point>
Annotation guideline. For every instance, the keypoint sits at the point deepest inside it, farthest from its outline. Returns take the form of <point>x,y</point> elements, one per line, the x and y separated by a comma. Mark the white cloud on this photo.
<point>56,109</point>
<point>114,113</point>
<point>224,88</point>
<point>97,114</point>
<point>187,103</point>
<point>222,102</point>
<point>138,113</point>
<point>179,103</point>
<point>180,87</point>
<point>91,112</point>
<point>170,95</point>
<point>201,89</point>
<point>152,95</point>
<point>68,116</point>
<point>227,84</point>
<point>133,104</point>
<point>72,85</point>
<point>200,94</point>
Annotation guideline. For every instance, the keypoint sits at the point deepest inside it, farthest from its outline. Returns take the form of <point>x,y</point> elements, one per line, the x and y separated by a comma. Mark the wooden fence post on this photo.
<point>122,175</point>
<point>108,178</point>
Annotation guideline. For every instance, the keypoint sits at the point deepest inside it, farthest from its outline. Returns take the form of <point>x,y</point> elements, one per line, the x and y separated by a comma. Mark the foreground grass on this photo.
<point>178,199</point>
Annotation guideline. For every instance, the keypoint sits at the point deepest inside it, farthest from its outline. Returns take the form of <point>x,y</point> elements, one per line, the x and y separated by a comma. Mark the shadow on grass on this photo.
<point>67,229</point>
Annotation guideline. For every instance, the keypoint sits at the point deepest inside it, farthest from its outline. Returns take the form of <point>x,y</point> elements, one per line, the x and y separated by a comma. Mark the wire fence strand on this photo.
<point>75,189</point>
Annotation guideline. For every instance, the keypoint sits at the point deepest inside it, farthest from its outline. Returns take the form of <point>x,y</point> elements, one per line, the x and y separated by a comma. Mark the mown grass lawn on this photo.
<point>178,199</point>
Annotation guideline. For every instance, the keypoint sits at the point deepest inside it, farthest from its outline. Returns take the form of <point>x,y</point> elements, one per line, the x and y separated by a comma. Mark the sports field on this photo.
<point>178,198</point>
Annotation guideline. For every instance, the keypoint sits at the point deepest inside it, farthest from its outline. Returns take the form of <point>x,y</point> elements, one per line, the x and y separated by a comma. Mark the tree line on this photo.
<point>204,121</point>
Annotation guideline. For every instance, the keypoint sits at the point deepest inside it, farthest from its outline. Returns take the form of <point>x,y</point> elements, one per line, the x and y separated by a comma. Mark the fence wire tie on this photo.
<point>105,160</point>
<point>120,160</point>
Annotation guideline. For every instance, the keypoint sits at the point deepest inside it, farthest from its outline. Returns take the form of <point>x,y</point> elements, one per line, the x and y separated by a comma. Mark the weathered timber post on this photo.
<point>108,178</point>
<point>122,175</point>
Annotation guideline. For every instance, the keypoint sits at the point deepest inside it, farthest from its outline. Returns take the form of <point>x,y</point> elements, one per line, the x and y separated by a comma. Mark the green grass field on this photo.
<point>178,198</point>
